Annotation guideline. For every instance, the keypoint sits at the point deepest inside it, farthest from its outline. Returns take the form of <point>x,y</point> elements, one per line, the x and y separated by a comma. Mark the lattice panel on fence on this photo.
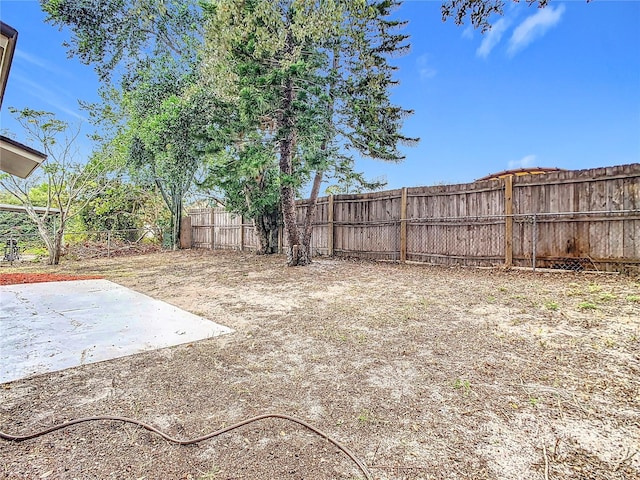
<point>460,241</point>
<point>374,241</point>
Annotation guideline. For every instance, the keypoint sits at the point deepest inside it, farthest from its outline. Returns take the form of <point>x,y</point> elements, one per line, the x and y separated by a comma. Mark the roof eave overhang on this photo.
<point>18,159</point>
<point>9,37</point>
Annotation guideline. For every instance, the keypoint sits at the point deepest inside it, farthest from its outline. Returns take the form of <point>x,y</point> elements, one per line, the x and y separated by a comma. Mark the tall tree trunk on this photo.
<point>176,216</point>
<point>296,253</point>
<point>173,201</point>
<point>46,236</point>
<point>51,247</point>
<point>266,227</point>
<point>57,246</point>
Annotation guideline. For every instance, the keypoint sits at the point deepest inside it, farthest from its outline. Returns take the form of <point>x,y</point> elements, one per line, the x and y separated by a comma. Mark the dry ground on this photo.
<point>423,372</point>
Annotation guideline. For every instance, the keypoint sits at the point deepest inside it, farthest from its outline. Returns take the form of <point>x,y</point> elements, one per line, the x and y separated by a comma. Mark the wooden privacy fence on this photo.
<point>215,228</point>
<point>585,219</point>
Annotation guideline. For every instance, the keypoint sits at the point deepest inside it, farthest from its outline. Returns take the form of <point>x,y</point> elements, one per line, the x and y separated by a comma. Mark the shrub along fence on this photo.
<point>577,220</point>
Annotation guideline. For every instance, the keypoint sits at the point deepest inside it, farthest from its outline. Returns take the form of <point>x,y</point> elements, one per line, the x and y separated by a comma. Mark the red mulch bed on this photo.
<point>16,278</point>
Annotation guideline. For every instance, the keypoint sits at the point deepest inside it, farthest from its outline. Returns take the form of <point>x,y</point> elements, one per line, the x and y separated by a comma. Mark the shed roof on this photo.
<point>4,207</point>
<point>521,171</point>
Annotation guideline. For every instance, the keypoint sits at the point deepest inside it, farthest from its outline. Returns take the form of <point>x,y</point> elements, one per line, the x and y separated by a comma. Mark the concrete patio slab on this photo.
<point>46,327</point>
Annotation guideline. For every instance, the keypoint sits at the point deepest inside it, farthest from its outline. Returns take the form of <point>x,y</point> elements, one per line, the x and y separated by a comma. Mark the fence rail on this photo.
<point>576,220</point>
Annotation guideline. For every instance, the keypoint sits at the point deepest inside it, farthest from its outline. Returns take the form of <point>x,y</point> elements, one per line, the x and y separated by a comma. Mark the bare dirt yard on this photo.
<point>422,372</point>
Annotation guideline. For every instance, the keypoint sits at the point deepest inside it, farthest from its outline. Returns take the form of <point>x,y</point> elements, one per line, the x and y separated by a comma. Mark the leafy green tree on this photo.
<point>126,33</point>
<point>248,178</point>
<point>152,47</point>
<point>317,75</point>
<point>118,209</point>
<point>66,182</point>
<point>170,128</point>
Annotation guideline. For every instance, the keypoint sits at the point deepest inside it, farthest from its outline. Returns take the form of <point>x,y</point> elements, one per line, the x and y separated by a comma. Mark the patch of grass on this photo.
<point>587,306</point>
<point>533,401</point>
<point>38,251</point>
<point>633,298</point>
<point>464,385</point>
<point>551,306</point>
<point>594,288</point>
<point>607,297</point>
<point>365,416</point>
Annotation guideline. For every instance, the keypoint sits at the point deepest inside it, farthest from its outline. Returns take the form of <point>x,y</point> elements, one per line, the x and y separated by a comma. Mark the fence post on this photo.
<point>403,225</point>
<point>508,221</point>
<point>213,229</point>
<point>109,244</point>
<point>330,227</point>
<point>241,233</point>
<point>534,241</point>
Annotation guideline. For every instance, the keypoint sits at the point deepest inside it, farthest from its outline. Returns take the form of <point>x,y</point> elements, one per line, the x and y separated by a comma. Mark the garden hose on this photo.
<point>345,450</point>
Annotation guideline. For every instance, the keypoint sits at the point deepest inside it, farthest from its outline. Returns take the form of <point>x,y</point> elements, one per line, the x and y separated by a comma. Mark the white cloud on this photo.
<point>524,162</point>
<point>492,37</point>
<point>468,32</point>
<point>534,26</point>
<point>425,70</point>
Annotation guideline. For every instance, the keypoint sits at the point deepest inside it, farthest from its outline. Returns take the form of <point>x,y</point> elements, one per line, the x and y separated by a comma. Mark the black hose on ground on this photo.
<point>345,450</point>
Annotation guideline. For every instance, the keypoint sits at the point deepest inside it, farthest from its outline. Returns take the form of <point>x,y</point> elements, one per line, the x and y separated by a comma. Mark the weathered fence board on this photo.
<point>584,218</point>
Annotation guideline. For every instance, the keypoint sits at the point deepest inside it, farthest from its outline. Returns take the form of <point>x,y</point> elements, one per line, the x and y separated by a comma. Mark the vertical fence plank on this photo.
<point>403,225</point>
<point>508,220</point>
<point>212,224</point>
<point>330,227</point>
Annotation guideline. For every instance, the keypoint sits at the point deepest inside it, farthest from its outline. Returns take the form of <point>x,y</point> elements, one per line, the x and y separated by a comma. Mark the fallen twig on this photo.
<point>546,462</point>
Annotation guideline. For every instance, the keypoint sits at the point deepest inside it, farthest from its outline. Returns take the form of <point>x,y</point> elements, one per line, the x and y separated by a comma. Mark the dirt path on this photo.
<point>424,373</point>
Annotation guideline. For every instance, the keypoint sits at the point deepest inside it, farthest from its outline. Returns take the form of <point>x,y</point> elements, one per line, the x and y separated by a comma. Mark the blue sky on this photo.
<point>554,87</point>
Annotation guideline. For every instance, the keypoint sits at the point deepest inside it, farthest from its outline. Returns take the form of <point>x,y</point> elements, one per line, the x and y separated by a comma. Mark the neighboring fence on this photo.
<point>578,220</point>
<point>217,229</point>
<point>87,244</point>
